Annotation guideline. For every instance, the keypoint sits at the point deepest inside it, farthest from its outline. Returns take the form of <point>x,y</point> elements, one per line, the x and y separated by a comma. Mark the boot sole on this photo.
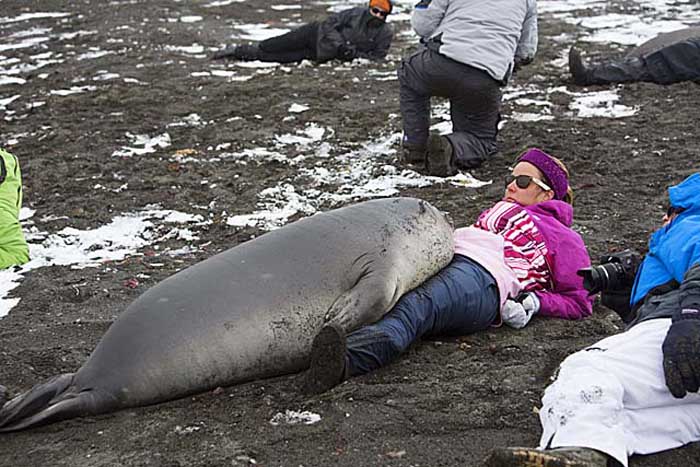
<point>413,159</point>
<point>533,458</point>
<point>327,366</point>
<point>439,157</point>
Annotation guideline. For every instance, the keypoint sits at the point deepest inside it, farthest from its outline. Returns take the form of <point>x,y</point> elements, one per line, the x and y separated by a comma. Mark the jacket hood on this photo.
<point>561,211</point>
<point>686,194</point>
<point>673,247</point>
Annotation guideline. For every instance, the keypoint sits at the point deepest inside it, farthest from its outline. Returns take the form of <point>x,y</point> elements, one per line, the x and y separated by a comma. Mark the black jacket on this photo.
<point>354,27</point>
<point>669,303</point>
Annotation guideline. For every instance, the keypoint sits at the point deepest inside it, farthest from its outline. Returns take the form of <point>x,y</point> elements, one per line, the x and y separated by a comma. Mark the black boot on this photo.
<point>412,155</point>
<point>239,52</point>
<point>328,367</point>
<point>577,68</point>
<point>440,158</point>
<point>559,457</point>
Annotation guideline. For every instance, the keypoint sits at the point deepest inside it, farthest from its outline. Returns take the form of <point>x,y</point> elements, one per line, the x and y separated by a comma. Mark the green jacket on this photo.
<point>13,247</point>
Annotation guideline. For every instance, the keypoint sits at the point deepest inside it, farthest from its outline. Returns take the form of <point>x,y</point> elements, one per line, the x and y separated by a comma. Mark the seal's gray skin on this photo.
<point>664,40</point>
<point>250,312</point>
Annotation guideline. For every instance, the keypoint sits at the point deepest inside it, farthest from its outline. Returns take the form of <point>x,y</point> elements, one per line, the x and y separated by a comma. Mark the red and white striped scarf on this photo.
<point>525,250</point>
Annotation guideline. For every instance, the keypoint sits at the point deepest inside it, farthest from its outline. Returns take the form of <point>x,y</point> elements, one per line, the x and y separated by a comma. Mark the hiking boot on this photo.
<point>328,367</point>
<point>577,68</point>
<point>559,457</point>
<point>224,53</point>
<point>238,52</point>
<point>439,160</point>
<point>247,52</point>
<point>412,155</point>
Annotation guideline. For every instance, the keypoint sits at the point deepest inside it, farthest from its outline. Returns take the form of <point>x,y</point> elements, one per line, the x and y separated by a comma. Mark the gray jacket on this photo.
<point>488,35</point>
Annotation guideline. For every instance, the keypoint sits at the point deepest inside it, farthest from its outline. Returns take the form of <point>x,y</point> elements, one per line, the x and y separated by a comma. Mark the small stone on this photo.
<point>396,454</point>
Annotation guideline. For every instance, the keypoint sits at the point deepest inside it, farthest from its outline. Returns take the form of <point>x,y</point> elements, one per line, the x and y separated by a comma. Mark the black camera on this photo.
<point>615,272</point>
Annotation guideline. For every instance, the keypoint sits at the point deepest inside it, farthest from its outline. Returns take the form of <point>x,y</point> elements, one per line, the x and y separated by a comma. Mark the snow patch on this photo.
<point>292,417</point>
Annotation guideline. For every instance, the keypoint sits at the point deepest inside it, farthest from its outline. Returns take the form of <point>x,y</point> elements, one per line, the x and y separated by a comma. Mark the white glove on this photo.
<point>516,313</point>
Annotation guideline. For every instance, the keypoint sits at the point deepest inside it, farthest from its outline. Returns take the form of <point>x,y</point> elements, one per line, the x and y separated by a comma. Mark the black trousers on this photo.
<point>294,46</point>
<point>475,104</point>
<point>675,63</point>
<point>672,64</point>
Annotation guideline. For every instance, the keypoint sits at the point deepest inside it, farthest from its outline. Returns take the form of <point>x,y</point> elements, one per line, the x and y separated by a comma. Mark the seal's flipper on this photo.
<point>365,303</point>
<point>54,400</point>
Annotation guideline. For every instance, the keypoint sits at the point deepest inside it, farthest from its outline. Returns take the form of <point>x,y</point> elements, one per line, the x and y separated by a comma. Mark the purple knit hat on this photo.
<point>555,175</point>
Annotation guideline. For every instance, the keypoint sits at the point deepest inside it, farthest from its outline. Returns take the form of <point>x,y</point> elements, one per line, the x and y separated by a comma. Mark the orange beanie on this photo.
<point>383,4</point>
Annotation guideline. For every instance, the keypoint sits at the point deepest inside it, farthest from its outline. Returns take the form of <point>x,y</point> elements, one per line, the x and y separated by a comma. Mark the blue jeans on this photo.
<point>460,299</point>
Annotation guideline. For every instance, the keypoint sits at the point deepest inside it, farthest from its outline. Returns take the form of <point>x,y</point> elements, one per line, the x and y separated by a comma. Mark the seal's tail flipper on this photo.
<point>55,400</point>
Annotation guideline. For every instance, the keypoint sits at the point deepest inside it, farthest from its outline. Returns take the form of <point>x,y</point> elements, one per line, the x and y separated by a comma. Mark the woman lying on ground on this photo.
<point>519,259</point>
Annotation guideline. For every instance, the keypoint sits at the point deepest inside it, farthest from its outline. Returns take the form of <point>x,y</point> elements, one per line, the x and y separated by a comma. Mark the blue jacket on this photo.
<point>675,247</point>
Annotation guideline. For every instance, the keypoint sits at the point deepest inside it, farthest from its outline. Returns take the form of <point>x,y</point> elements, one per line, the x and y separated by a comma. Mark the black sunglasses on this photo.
<point>379,12</point>
<point>523,181</point>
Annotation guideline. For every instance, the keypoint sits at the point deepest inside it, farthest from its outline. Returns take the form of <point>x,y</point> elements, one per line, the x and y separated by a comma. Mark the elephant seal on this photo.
<point>664,40</point>
<point>249,312</point>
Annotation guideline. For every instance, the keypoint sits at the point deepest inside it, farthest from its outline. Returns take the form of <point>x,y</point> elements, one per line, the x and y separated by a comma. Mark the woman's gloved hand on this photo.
<point>347,52</point>
<point>517,312</point>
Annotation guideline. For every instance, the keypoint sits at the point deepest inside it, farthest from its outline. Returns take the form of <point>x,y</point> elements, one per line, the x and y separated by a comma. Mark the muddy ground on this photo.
<point>443,403</point>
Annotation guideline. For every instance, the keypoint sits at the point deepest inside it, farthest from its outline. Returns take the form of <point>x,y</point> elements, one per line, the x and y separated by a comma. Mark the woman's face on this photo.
<point>533,193</point>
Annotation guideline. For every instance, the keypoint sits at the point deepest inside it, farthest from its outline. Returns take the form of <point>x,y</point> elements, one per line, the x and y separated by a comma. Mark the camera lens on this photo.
<point>603,277</point>
<point>616,272</point>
